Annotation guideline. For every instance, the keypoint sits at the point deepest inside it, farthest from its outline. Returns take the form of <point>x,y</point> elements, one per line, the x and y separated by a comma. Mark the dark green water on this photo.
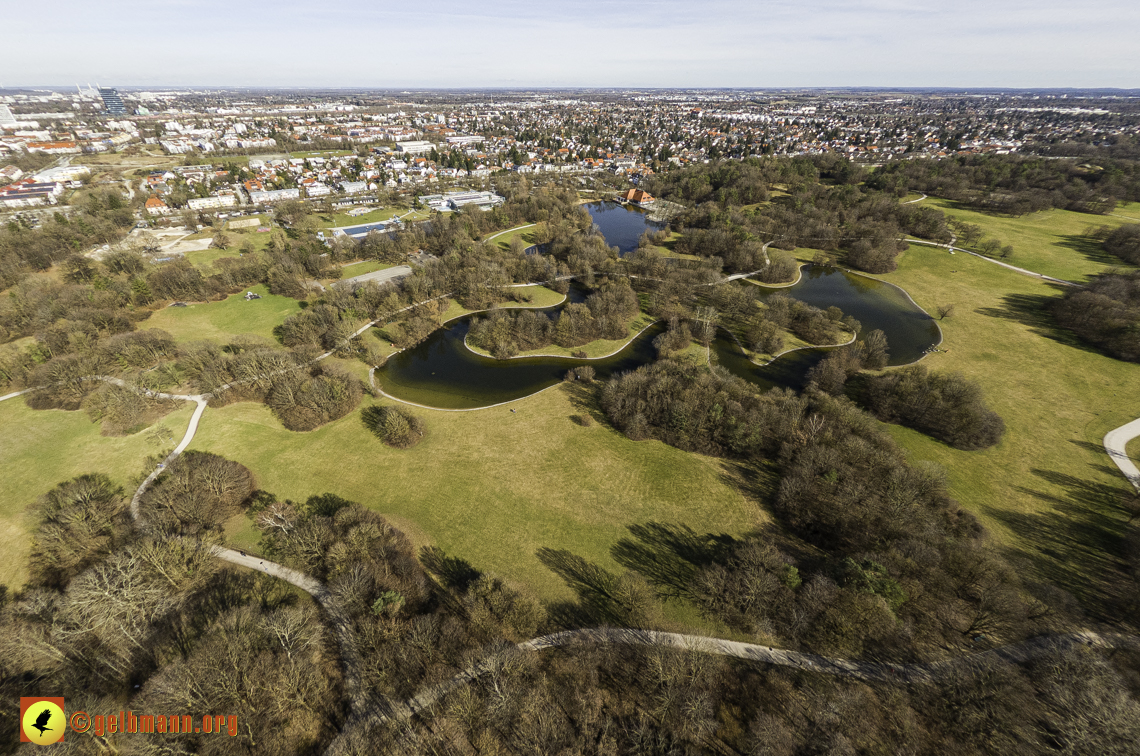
<point>443,372</point>
<point>622,225</point>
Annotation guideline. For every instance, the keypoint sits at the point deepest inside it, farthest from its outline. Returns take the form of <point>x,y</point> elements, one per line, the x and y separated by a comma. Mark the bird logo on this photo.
<point>42,720</point>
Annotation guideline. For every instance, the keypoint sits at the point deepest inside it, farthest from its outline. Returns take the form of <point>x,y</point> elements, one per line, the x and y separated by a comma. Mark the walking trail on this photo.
<point>1116,442</point>
<point>1022,271</point>
<point>367,710</point>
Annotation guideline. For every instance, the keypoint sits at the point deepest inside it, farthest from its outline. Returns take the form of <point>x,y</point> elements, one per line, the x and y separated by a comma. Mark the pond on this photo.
<point>875,304</point>
<point>442,372</point>
<point>622,225</point>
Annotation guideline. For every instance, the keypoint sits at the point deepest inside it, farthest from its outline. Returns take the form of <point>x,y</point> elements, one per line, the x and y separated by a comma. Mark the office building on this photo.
<point>112,103</point>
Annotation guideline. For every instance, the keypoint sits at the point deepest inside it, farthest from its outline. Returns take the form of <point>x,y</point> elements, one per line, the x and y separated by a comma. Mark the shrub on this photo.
<point>1124,242</point>
<point>946,406</point>
<point>394,425</point>
<point>1106,312</point>
<point>307,399</point>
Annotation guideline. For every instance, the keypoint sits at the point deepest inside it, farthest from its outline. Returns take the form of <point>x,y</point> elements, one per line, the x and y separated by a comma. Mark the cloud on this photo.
<point>660,43</point>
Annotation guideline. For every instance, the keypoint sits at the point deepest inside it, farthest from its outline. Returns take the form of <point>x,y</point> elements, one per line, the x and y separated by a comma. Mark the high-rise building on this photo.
<point>112,103</point>
<point>6,117</point>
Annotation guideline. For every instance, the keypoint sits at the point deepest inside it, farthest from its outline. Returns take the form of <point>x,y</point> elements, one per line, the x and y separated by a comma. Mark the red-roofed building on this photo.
<point>155,206</point>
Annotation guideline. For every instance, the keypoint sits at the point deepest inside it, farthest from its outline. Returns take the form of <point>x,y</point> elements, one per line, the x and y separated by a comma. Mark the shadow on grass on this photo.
<point>1075,541</point>
<point>455,573</point>
<point>1092,249</point>
<point>1032,310</point>
<point>600,599</point>
<point>584,398</point>
<point>670,556</point>
<point>1099,449</point>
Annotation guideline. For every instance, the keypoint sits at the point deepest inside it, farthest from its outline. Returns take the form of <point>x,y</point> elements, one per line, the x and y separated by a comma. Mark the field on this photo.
<point>220,320</point>
<point>1051,242</point>
<point>1048,492</point>
<point>492,486</point>
<point>362,267</point>
<point>40,448</point>
<point>340,220</point>
<point>321,154</point>
<point>528,236</point>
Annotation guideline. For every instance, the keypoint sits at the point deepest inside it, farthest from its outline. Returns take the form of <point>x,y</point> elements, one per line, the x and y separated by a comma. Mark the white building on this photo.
<point>206,203</point>
<point>353,187</point>
<point>64,173</point>
<point>414,147</point>
<point>274,195</point>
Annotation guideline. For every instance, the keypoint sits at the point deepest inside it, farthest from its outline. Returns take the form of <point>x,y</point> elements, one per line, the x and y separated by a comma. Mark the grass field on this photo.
<point>528,236</point>
<point>1048,492</point>
<point>221,320</point>
<point>1051,242</point>
<point>362,267</point>
<point>41,448</point>
<point>339,220</point>
<point>205,258</point>
<point>492,486</point>
<point>321,153</point>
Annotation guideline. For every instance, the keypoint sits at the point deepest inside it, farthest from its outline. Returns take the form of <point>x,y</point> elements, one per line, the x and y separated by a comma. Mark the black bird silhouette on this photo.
<point>42,720</point>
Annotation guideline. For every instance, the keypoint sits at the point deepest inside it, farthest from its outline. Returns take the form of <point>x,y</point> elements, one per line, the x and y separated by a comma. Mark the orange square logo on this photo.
<point>42,720</point>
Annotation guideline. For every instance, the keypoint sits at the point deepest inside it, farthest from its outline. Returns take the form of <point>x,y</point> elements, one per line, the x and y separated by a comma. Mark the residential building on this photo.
<point>155,206</point>
<point>274,195</point>
<point>207,203</point>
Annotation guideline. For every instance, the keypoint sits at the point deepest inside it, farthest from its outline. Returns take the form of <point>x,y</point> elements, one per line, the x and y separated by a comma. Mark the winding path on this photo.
<point>1115,443</point>
<point>1014,268</point>
<point>918,673</point>
<point>370,710</point>
<point>516,228</point>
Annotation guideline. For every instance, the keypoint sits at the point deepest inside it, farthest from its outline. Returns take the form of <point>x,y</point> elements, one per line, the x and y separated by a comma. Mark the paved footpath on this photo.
<point>1116,442</point>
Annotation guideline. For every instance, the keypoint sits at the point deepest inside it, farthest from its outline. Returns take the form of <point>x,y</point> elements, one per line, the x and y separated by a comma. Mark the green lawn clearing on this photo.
<point>360,268</point>
<point>42,448</point>
<point>1051,242</point>
<point>340,220</point>
<point>1047,492</point>
<point>528,236</point>
<point>492,486</point>
<point>222,320</point>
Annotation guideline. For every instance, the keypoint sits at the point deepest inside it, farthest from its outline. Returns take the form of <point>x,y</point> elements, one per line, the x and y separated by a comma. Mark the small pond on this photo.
<point>622,225</point>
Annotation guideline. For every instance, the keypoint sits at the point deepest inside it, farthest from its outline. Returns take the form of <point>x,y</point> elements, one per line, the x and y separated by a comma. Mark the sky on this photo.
<point>573,43</point>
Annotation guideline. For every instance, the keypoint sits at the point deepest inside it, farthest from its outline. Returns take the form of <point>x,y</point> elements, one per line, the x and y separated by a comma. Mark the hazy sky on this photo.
<point>636,43</point>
